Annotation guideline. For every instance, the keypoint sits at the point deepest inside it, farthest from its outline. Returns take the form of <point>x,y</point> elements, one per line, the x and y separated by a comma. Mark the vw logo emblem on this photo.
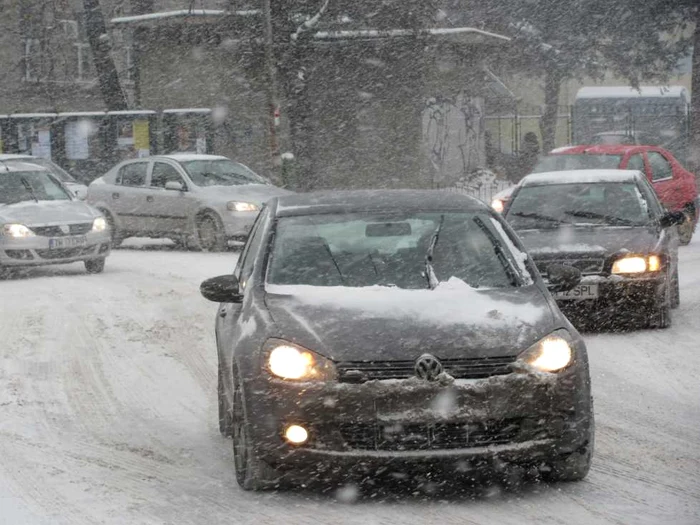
<point>428,367</point>
<point>65,228</point>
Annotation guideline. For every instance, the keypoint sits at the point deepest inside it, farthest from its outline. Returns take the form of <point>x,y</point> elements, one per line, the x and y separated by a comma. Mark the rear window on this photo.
<point>576,162</point>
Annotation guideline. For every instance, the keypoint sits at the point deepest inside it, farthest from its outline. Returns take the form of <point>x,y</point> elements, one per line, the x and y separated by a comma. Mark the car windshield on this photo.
<point>359,250</point>
<point>576,162</point>
<point>220,172</point>
<point>551,205</point>
<point>30,186</point>
<point>54,168</point>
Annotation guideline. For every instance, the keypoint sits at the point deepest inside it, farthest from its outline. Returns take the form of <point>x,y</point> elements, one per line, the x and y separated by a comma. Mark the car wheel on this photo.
<point>573,467</point>
<point>251,472</point>
<point>210,234</point>
<point>116,236</point>
<point>95,265</point>
<point>675,291</point>
<point>225,422</point>
<point>686,230</point>
<point>660,316</point>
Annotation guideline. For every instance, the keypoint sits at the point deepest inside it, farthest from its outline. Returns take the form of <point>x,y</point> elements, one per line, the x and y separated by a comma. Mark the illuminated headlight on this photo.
<point>637,264</point>
<point>551,354</point>
<point>497,205</point>
<point>289,361</point>
<point>17,231</point>
<point>241,206</point>
<point>99,224</point>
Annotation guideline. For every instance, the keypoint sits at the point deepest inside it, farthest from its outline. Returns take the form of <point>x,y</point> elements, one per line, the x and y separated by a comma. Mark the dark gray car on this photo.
<point>407,328</point>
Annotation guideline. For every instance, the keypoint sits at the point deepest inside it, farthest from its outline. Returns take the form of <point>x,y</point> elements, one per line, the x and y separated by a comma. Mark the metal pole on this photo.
<point>271,77</point>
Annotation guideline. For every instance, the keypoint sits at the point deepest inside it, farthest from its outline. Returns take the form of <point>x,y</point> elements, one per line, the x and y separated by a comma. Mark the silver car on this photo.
<point>41,222</point>
<point>78,189</point>
<point>199,201</point>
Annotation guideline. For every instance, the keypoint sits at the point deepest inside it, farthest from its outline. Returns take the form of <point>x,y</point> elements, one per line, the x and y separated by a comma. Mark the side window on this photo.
<point>655,206</point>
<point>247,260</point>
<point>660,167</point>
<point>133,174</point>
<point>163,173</point>
<point>636,162</point>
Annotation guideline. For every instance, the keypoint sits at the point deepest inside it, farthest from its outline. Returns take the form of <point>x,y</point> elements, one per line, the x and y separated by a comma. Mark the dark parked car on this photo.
<point>408,328</point>
<point>610,225</point>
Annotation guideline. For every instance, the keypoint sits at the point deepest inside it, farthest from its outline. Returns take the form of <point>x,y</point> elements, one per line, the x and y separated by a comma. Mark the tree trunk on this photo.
<point>548,122</point>
<point>107,76</point>
<point>694,143</point>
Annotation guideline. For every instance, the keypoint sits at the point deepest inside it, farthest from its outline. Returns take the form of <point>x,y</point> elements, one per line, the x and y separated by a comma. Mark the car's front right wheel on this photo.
<point>210,235</point>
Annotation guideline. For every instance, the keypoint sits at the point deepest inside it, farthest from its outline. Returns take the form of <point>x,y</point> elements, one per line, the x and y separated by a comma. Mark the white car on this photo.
<point>78,189</point>
<point>200,201</point>
<point>41,222</point>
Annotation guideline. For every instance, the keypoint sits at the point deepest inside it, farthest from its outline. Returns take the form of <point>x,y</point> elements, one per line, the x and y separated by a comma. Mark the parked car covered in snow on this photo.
<point>43,223</point>
<point>361,329</point>
<point>78,189</point>
<point>610,225</point>
<point>201,201</point>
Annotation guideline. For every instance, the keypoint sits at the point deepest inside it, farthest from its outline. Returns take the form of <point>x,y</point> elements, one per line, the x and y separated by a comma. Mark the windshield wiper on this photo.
<point>429,270</point>
<point>593,215</point>
<point>29,188</point>
<point>532,215</point>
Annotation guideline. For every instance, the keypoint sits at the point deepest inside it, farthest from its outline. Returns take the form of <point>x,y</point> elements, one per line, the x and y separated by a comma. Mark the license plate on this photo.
<point>67,242</point>
<point>580,293</point>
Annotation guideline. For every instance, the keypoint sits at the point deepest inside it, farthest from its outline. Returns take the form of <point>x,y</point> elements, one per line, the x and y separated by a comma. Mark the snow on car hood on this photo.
<point>47,212</point>
<point>382,323</point>
<point>255,193</point>
<point>603,241</point>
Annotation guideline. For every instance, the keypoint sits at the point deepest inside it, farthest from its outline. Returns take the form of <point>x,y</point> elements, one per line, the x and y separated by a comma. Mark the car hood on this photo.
<point>569,242</point>
<point>47,212</point>
<point>255,193</point>
<point>381,323</point>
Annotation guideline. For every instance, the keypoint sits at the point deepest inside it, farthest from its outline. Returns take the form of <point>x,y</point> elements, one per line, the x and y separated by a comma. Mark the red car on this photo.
<point>676,187</point>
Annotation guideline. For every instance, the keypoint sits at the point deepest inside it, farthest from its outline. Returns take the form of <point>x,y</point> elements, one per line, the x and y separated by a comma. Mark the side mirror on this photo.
<point>562,277</point>
<point>174,185</point>
<point>672,218</point>
<point>222,289</point>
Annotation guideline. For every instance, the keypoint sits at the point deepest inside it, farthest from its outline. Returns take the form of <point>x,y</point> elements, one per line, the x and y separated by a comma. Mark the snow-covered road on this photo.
<point>108,411</point>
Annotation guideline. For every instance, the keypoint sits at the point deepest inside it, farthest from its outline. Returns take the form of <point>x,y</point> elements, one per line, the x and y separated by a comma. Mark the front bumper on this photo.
<point>237,224</point>
<point>36,251</point>
<point>518,418</point>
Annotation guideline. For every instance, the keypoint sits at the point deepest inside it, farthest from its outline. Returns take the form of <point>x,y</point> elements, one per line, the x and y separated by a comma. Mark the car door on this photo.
<point>128,195</point>
<point>668,188</point>
<point>168,209</point>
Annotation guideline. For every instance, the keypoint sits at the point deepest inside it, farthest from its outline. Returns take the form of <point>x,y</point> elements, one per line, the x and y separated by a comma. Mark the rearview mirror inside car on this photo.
<point>672,218</point>
<point>562,277</point>
<point>174,185</point>
<point>222,289</point>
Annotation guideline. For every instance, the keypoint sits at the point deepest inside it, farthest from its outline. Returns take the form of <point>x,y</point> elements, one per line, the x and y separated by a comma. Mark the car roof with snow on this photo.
<point>602,149</point>
<point>20,167</point>
<point>185,157</point>
<point>374,201</point>
<point>15,156</point>
<point>580,177</point>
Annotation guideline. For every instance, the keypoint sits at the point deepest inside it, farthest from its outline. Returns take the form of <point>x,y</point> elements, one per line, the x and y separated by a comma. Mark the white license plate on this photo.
<point>67,242</point>
<point>580,293</point>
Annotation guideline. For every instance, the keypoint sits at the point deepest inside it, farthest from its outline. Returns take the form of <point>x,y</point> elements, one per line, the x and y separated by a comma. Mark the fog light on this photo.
<point>296,434</point>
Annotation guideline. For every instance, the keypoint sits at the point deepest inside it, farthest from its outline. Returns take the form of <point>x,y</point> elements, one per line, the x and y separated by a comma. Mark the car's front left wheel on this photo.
<point>95,265</point>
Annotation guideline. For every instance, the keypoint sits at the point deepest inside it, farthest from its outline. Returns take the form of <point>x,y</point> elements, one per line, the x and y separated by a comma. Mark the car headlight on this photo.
<point>289,361</point>
<point>498,205</point>
<point>17,231</point>
<point>241,206</point>
<point>99,224</point>
<point>637,264</point>
<point>550,354</point>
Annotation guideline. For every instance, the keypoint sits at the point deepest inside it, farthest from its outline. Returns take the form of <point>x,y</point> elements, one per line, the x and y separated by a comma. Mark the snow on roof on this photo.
<point>14,156</point>
<point>389,33</point>
<point>33,115</point>
<point>580,177</point>
<point>187,110</point>
<point>192,156</point>
<point>16,167</point>
<point>132,112</point>
<point>182,13</point>
<point>629,92</point>
<point>82,114</point>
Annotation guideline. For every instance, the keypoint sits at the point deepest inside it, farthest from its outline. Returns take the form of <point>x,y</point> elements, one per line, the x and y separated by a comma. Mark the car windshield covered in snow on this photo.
<point>576,162</point>
<point>54,168</point>
<point>358,250</point>
<point>551,205</point>
<point>220,172</point>
<point>30,186</point>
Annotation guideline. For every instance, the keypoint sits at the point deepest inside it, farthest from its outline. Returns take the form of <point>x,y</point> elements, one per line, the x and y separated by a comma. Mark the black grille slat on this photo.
<point>65,253</point>
<point>56,231</point>
<point>469,368</point>
<point>591,266</point>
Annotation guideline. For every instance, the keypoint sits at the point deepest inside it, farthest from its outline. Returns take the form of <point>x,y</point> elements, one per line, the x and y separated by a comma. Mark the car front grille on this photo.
<point>56,231</point>
<point>66,253</point>
<point>585,266</point>
<point>439,436</point>
<point>468,368</point>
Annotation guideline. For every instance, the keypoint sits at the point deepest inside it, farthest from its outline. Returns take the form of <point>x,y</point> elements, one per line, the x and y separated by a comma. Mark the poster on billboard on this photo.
<point>78,139</point>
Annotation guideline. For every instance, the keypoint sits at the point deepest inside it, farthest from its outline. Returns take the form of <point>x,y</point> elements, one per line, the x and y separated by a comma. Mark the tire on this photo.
<point>675,291</point>
<point>115,235</point>
<point>686,230</point>
<point>660,316</point>
<point>225,413</point>
<point>95,265</point>
<point>210,235</point>
<point>251,472</point>
<point>575,466</point>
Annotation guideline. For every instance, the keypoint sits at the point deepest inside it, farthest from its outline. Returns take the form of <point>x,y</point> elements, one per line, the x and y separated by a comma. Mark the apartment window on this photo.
<point>33,60</point>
